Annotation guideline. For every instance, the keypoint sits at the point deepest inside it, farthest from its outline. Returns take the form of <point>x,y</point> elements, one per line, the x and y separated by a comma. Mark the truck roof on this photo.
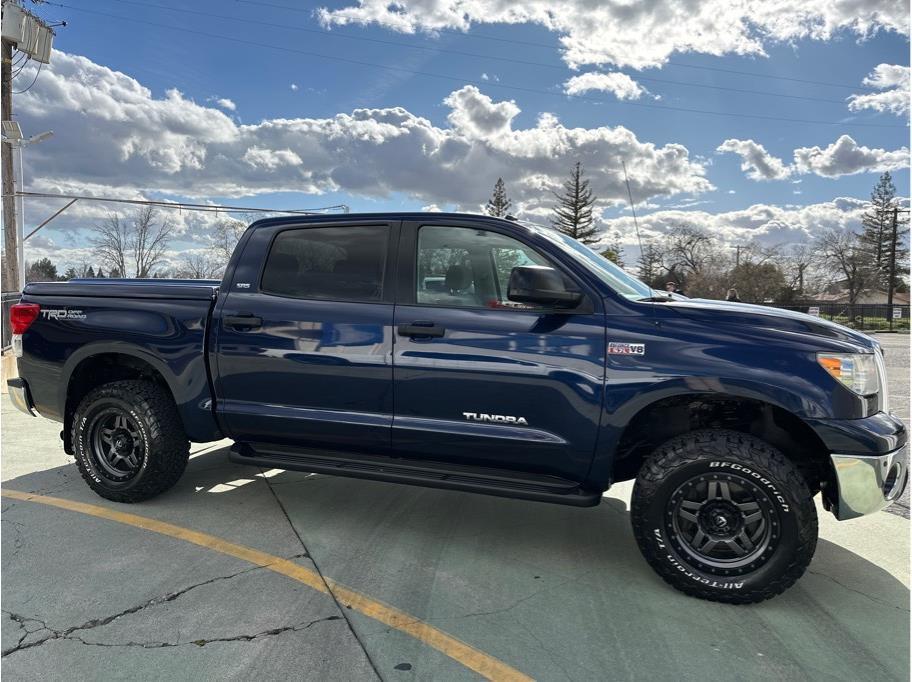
<point>389,215</point>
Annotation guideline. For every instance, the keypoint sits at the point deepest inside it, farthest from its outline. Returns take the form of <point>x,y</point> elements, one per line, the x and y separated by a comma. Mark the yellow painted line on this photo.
<point>472,658</point>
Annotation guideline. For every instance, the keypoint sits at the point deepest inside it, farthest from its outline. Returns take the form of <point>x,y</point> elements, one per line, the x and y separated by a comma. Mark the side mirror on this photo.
<point>541,285</point>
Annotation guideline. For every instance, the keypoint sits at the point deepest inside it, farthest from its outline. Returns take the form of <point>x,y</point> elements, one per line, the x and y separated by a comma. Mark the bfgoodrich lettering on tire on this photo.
<point>722,515</point>
<point>128,440</point>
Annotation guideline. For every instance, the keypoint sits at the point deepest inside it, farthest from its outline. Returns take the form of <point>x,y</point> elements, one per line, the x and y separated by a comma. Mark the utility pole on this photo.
<point>34,39</point>
<point>891,283</point>
<point>10,238</point>
<point>738,248</point>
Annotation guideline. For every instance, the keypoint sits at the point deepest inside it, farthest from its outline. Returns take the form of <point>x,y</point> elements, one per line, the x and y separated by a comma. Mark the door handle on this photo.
<point>421,329</point>
<point>243,321</point>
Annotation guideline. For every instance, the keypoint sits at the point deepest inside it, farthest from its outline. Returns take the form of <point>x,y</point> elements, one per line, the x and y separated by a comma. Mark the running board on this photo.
<point>499,482</point>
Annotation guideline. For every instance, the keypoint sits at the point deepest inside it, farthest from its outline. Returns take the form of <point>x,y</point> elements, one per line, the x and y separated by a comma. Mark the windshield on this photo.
<point>615,277</point>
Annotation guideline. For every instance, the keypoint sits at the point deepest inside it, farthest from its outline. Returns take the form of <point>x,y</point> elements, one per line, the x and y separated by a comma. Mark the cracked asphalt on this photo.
<point>555,592</point>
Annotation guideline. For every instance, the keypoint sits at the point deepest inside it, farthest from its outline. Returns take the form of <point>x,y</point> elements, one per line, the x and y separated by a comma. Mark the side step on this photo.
<point>499,482</point>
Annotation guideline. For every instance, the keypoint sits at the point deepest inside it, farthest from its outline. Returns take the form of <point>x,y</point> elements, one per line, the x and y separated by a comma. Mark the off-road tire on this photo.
<point>744,463</point>
<point>152,414</point>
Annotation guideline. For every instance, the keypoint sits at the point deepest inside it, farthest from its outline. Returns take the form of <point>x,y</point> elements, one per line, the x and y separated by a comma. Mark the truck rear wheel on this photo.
<point>128,440</point>
<point>724,516</point>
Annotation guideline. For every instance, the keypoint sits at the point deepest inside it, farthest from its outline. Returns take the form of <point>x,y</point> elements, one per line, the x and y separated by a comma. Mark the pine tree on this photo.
<point>90,273</point>
<point>614,250</point>
<point>573,213</point>
<point>100,274</point>
<point>876,238</point>
<point>499,205</point>
<point>649,264</point>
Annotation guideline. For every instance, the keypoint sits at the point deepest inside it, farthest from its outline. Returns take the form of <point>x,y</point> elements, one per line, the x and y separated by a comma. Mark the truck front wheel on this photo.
<point>128,440</point>
<point>722,515</point>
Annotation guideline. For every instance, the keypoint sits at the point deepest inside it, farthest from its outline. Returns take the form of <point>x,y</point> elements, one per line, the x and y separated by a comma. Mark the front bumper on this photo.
<point>867,484</point>
<point>20,396</point>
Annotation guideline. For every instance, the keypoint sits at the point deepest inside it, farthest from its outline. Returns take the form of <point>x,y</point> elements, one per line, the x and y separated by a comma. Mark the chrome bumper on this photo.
<point>868,484</point>
<point>19,395</point>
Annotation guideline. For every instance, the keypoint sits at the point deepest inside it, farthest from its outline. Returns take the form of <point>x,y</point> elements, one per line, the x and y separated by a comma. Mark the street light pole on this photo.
<point>18,143</point>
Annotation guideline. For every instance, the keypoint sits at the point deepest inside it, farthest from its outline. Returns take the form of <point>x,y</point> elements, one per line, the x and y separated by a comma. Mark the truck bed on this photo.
<point>194,289</point>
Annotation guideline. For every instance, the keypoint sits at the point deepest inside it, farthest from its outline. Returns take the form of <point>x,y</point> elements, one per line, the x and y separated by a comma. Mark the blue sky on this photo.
<point>259,80</point>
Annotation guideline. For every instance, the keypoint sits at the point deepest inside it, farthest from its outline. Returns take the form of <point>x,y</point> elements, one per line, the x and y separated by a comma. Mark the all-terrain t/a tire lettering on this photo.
<point>128,440</point>
<point>722,515</point>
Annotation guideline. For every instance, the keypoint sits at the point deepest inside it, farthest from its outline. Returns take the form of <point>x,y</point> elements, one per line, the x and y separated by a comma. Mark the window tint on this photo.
<point>338,263</point>
<point>465,267</point>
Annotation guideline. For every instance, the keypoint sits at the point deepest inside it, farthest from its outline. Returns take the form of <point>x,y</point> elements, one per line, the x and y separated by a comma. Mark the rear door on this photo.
<point>304,343</point>
<point>481,380</point>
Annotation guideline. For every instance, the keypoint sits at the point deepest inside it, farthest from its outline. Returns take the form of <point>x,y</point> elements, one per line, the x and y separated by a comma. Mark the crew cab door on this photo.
<point>484,381</point>
<point>304,337</point>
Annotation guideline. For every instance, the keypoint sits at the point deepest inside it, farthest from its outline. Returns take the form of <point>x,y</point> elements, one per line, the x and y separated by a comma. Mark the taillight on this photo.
<point>22,315</point>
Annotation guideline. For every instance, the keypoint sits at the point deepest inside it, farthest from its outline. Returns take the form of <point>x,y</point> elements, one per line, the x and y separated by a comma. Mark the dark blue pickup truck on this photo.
<point>482,355</point>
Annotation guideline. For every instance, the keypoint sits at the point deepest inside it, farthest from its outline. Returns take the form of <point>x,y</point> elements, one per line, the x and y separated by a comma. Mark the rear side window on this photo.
<point>335,263</point>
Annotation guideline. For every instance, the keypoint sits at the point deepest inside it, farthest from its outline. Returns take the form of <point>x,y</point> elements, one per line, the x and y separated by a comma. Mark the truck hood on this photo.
<point>766,317</point>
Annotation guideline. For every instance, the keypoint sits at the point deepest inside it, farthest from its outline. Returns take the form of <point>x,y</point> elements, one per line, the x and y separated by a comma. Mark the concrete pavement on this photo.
<point>554,592</point>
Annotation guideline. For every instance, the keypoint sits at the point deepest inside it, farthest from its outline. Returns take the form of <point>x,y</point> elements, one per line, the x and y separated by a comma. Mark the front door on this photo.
<point>484,381</point>
<point>304,350</point>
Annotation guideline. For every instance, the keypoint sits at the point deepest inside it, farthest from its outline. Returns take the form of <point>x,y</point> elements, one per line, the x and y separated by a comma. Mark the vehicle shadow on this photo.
<point>544,585</point>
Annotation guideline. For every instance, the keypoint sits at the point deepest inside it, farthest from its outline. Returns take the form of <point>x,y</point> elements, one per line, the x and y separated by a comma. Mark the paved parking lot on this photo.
<point>239,572</point>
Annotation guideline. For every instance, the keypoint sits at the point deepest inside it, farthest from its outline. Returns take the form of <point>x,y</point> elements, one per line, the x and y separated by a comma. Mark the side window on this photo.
<point>334,263</point>
<point>464,267</point>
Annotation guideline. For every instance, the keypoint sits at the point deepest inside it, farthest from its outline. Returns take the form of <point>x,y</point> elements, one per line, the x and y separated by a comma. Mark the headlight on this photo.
<point>856,371</point>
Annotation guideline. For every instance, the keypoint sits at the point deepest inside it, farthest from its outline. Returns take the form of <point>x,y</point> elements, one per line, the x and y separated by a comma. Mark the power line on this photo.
<point>204,208</point>
<point>443,50</point>
<point>481,84</point>
<point>529,43</point>
<point>34,80</point>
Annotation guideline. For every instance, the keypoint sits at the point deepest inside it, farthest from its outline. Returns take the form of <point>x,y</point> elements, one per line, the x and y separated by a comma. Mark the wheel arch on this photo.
<point>97,365</point>
<point>670,415</point>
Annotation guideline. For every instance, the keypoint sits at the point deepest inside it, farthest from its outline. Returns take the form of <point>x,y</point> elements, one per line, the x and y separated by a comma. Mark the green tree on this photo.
<point>499,205</point>
<point>758,282</point>
<point>100,274</point>
<point>90,273</point>
<point>614,250</point>
<point>649,264</point>
<point>42,270</point>
<point>876,237</point>
<point>71,273</point>
<point>573,213</point>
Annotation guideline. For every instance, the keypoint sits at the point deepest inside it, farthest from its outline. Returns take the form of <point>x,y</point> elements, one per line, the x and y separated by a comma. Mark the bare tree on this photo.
<point>198,266</point>
<point>841,254</point>
<point>226,234</point>
<point>149,240</point>
<point>111,242</point>
<point>690,250</point>
<point>137,243</point>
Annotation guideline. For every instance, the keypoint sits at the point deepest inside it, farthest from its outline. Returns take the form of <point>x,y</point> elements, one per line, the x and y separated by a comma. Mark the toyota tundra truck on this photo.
<point>482,355</point>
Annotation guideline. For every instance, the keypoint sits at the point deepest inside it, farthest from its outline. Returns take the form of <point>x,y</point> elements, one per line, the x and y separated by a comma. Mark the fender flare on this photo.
<point>95,348</point>
<point>617,419</point>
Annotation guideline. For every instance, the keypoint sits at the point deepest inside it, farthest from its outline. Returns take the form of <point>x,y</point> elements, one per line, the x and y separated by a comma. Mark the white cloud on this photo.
<point>893,81</point>
<point>226,103</point>
<point>843,157</point>
<point>758,163</point>
<point>846,157</point>
<point>619,84</point>
<point>641,34</point>
<point>114,132</point>
<point>294,87</point>
<point>768,224</point>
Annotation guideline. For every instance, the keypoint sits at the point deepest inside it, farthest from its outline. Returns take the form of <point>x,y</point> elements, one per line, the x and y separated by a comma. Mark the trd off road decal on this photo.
<point>617,348</point>
<point>63,314</point>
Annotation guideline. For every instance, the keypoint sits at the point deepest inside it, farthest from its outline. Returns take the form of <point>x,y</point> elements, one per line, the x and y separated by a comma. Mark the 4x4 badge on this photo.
<point>616,348</point>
